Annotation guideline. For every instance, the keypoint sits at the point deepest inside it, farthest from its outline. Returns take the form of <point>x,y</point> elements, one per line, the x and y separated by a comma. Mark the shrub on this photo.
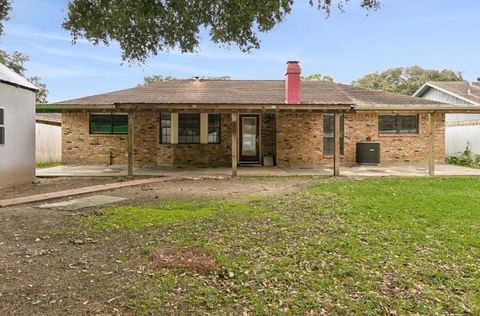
<point>466,158</point>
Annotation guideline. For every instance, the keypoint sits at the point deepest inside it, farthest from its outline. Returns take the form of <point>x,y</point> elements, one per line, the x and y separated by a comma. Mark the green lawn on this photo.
<point>378,246</point>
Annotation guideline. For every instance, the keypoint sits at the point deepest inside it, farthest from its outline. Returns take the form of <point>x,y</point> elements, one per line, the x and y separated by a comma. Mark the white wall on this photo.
<point>48,146</point>
<point>456,138</point>
<point>17,155</point>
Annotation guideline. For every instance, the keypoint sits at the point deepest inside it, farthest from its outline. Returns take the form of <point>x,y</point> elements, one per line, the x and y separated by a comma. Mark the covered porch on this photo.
<point>347,171</point>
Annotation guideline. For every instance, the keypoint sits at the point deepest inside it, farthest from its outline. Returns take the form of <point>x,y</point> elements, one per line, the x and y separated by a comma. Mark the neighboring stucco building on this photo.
<point>48,137</point>
<point>460,128</point>
<point>17,128</point>
<point>222,122</point>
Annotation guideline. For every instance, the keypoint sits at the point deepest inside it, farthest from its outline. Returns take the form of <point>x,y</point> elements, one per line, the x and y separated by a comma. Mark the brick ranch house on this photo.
<point>229,122</point>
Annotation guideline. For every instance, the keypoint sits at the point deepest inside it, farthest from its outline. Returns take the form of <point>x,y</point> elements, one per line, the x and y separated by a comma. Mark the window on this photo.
<point>165,128</point>
<point>2,127</point>
<point>398,124</point>
<point>108,123</point>
<point>329,134</point>
<point>214,128</point>
<point>189,128</point>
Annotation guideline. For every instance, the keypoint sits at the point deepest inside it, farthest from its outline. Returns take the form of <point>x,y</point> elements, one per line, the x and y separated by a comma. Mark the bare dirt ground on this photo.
<point>46,272</point>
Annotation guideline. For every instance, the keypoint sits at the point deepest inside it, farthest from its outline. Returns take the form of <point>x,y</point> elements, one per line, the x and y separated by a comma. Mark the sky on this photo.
<point>435,34</point>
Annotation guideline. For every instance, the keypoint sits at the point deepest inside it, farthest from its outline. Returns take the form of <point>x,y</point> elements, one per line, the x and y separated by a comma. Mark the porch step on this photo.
<point>249,164</point>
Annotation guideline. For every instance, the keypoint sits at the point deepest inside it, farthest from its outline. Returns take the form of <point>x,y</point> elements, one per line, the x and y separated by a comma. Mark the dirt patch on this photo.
<point>47,269</point>
<point>45,185</point>
<point>190,258</point>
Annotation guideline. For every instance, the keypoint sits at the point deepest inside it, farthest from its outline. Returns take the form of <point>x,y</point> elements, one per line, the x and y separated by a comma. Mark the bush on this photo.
<point>464,159</point>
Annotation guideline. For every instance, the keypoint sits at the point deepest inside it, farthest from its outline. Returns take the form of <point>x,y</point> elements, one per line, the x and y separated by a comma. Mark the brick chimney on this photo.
<point>292,82</point>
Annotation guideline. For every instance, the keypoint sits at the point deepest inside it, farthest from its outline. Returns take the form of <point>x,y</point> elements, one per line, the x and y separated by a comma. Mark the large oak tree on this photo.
<point>146,27</point>
<point>405,80</point>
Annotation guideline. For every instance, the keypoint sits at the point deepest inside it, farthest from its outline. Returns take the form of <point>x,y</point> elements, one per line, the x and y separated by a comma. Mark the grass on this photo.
<point>377,246</point>
<point>41,165</point>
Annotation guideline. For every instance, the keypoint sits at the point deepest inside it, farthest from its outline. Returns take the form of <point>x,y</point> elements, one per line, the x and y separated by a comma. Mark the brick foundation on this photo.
<point>294,139</point>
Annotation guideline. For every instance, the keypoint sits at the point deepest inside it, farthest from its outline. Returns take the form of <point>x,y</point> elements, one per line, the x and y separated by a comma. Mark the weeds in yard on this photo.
<point>378,246</point>
<point>465,158</point>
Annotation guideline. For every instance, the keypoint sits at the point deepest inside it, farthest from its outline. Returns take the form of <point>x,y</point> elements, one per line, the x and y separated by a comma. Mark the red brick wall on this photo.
<point>298,141</point>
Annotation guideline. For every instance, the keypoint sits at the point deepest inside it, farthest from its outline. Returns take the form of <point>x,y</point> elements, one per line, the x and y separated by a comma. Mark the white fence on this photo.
<point>48,148</point>
<point>458,136</point>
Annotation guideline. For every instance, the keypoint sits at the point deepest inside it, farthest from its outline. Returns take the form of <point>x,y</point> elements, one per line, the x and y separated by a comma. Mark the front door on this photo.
<point>249,138</point>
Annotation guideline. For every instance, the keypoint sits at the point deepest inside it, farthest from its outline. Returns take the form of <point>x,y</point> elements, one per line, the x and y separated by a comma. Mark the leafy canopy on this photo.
<point>159,78</point>
<point>16,61</point>
<point>405,80</point>
<point>146,27</point>
<point>5,7</point>
<point>318,77</point>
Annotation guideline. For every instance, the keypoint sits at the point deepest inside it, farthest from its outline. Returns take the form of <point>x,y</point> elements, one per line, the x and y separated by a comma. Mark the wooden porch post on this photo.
<point>336,152</point>
<point>234,143</point>
<point>431,144</point>
<point>130,144</point>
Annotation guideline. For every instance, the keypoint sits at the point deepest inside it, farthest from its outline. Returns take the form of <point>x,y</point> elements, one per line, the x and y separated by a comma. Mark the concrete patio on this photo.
<point>347,171</point>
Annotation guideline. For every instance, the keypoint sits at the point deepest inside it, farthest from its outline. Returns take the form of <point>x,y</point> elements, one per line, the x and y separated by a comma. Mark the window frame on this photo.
<point>2,126</point>
<point>197,127</point>
<point>398,127</point>
<point>168,135</point>
<point>112,125</point>
<point>342,134</point>
<point>219,127</point>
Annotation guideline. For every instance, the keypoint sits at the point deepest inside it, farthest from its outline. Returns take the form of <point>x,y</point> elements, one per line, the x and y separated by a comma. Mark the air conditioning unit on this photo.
<point>368,153</point>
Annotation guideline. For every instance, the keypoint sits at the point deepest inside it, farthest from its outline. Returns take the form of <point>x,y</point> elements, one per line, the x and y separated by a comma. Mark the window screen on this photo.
<point>108,123</point>
<point>329,133</point>
<point>214,128</point>
<point>189,128</point>
<point>398,124</point>
<point>165,128</point>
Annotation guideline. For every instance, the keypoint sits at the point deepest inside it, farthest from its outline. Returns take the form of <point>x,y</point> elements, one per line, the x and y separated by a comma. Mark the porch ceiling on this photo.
<point>227,108</point>
<point>237,108</point>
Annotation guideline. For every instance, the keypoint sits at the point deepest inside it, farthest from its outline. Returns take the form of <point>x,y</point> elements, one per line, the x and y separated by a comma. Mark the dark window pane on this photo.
<point>108,124</point>
<point>165,128</point>
<point>2,135</point>
<point>100,123</point>
<point>329,133</point>
<point>214,128</point>
<point>408,124</point>
<point>387,124</point>
<point>189,128</point>
<point>398,124</point>
<point>1,117</point>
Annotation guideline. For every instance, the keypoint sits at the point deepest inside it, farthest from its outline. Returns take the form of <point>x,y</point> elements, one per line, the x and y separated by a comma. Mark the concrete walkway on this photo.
<point>84,190</point>
<point>355,171</point>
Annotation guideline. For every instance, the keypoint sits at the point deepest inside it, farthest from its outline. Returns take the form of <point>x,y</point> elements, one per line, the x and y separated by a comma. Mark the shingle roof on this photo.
<point>246,92</point>
<point>463,89</point>
<point>11,77</point>
<point>49,117</point>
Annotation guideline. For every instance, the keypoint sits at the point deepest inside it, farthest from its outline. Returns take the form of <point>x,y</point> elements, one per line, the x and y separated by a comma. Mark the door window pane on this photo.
<point>249,136</point>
